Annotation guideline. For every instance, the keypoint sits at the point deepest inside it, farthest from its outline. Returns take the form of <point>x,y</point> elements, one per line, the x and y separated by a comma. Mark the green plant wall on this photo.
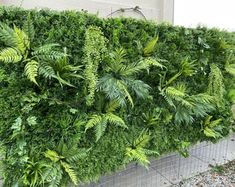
<point>81,96</point>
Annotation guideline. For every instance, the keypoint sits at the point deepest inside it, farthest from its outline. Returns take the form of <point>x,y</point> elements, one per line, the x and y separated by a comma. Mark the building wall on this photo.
<point>157,10</point>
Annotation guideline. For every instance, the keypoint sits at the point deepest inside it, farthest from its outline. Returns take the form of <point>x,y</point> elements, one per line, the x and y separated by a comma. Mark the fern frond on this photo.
<point>46,70</point>
<point>150,152</point>
<point>211,124</point>
<point>215,123</point>
<point>112,106</point>
<point>93,121</point>
<point>47,52</point>
<point>70,171</point>
<point>53,175</point>
<point>185,115</point>
<point>23,43</point>
<point>153,62</point>
<point>79,153</point>
<point>114,119</point>
<point>209,132</point>
<point>150,46</point>
<point>10,55</point>
<point>52,55</point>
<point>28,28</point>
<point>137,155</point>
<point>142,140</point>
<point>230,68</point>
<point>8,36</point>
<point>174,93</point>
<point>100,129</point>
<point>31,70</point>
<point>204,102</point>
<point>52,155</point>
<point>45,49</point>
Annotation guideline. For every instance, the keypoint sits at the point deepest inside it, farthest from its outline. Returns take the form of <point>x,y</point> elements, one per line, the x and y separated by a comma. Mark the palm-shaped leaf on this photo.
<point>120,83</point>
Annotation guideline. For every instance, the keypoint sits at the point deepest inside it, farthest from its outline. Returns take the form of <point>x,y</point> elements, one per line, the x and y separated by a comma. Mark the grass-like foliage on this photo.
<point>81,97</point>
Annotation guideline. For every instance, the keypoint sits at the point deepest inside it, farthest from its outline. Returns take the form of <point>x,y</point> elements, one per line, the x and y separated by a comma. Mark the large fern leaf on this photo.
<point>8,36</point>
<point>230,68</point>
<point>70,171</point>
<point>10,55</point>
<point>23,42</point>
<point>45,49</point>
<point>93,121</point>
<point>46,70</point>
<point>52,155</point>
<point>53,175</point>
<point>142,140</point>
<point>137,155</point>
<point>174,93</point>
<point>31,70</point>
<point>114,119</point>
<point>100,129</point>
<point>28,28</point>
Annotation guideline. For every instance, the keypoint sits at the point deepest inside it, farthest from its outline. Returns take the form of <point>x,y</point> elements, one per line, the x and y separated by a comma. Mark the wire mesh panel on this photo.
<point>171,168</point>
<point>212,153</point>
<point>168,166</point>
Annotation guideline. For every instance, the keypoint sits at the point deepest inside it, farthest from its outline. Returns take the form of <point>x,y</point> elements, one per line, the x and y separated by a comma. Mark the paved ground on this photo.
<point>172,168</point>
<point>218,176</point>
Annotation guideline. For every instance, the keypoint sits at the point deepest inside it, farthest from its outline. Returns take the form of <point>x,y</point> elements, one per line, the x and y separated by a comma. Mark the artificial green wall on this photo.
<point>189,96</point>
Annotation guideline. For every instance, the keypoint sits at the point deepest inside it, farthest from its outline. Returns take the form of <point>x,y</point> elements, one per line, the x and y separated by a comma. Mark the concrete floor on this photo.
<point>172,168</point>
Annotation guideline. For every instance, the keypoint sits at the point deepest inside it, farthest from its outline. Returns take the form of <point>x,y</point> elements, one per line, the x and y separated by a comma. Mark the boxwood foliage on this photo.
<point>82,96</point>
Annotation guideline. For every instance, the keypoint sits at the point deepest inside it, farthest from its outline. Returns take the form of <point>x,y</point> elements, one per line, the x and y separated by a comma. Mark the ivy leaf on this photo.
<point>73,110</point>
<point>32,120</point>
<point>17,125</point>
